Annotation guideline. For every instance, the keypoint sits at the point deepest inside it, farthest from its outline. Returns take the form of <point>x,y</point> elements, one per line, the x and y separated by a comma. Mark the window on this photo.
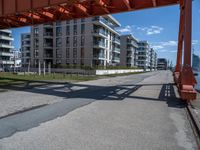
<point>82,56</point>
<point>75,41</point>
<point>82,28</point>
<point>58,42</point>
<point>67,53</point>
<point>58,31</point>
<point>75,29</point>
<point>58,53</point>
<point>82,40</point>
<point>75,20</point>
<point>68,21</point>
<point>67,41</point>
<point>58,23</point>
<point>74,52</point>
<point>83,20</point>
<point>67,30</point>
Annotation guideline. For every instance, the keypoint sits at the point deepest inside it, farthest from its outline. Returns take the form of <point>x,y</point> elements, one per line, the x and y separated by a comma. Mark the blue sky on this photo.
<point>159,26</point>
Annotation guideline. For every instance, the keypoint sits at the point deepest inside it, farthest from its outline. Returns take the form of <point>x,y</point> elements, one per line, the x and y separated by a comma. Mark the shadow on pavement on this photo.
<point>76,96</point>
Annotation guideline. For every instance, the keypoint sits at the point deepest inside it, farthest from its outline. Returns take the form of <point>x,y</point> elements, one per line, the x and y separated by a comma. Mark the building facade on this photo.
<point>153,59</point>
<point>25,49</point>
<point>195,62</point>
<point>89,42</point>
<point>129,52</point>
<point>6,49</point>
<point>143,55</point>
<point>162,64</point>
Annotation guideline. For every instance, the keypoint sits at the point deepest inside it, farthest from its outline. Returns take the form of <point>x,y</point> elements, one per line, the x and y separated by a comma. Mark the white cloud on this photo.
<point>169,43</point>
<point>126,29</point>
<point>151,30</point>
<point>195,42</point>
<point>157,46</point>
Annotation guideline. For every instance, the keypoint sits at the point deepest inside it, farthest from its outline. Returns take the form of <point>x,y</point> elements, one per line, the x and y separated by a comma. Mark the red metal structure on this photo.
<point>17,13</point>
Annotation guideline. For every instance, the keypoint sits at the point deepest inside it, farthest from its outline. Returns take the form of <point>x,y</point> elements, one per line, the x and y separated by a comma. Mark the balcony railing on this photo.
<point>102,44</point>
<point>100,31</point>
<point>48,34</point>
<point>116,49</point>
<point>99,56</point>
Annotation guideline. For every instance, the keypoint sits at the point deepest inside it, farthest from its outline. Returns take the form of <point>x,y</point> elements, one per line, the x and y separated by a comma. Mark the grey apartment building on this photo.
<point>6,49</point>
<point>144,56</point>
<point>89,42</point>
<point>153,59</point>
<point>26,49</point>
<point>129,52</point>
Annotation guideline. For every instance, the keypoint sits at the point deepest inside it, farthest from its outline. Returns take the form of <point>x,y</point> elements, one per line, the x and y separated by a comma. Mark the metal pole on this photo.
<point>39,68</point>
<point>44,71</point>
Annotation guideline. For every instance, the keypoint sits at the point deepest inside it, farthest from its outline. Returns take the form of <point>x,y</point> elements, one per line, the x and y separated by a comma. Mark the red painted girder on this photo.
<point>50,10</point>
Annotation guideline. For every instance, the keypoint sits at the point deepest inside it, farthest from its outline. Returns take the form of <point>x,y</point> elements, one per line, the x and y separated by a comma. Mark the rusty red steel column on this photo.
<point>187,79</point>
<point>180,44</point>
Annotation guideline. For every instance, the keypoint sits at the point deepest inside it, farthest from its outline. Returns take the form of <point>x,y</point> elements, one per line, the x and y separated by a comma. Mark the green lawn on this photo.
<point>10,78</point>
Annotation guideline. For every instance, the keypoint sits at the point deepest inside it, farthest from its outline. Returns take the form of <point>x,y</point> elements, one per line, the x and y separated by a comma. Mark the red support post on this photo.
<point>187,79</point>
<point>180,44</point>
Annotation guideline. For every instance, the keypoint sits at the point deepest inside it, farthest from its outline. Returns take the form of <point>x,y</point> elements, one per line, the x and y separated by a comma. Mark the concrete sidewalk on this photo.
<point>150,117</point>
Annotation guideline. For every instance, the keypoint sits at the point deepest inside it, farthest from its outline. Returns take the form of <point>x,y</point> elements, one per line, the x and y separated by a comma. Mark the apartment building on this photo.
<point>162,64</point>
<point>90,42</point>
<point>143,55</point>
<point>25,49</point>
<point>129,52</point>
<point>5,49</point>
<point>153,59</point>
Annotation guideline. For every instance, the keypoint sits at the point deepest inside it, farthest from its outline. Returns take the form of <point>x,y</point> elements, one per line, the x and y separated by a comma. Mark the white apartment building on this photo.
<point>25,49</point>
<point>6,49</point>
<point>129,52</point>
<point>143,55</point>
<point>153,59</point>
<point>90,42</point>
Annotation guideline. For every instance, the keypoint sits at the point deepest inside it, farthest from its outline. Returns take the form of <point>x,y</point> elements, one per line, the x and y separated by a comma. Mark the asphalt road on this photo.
<point>136,112</point>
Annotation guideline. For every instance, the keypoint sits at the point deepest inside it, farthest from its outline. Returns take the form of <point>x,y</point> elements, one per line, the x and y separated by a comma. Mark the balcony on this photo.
<point>3,37</point>
<point>116,40</point>
<point>6,46</point>
<point>132,43</point>
<point>116,59</point>
<point>7,62</point>
<point>99,44</point>
<point>116,49</point>
<point>99,56</point>
<point>48,45</point>
<point>100,32</point>
<point>48,34</point>
<point>48,56</point>
<point>6,54</point>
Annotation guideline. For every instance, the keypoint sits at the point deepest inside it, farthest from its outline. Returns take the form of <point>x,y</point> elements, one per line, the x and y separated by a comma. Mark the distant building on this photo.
<point>196,62</point>
<point>26,49</point>
<point>90,42</point>
<point>153,59</point>
<point>16,58</point>
<point>129,53</point>
<point>6,49</point>
<point>143,55</point>
<point>162,64</point>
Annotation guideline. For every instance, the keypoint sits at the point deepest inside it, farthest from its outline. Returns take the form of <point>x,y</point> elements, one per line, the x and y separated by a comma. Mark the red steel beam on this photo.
<point>49,10</point>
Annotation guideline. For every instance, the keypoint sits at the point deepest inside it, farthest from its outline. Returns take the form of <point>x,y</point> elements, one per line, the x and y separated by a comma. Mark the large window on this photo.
<point>82,40</point>
<point>82,28</point>
<point>67,30</point>
<point>67,41</point>
<point>75,41</point>
<point>75,29</point>
<point>58,42</point>
<point>58,31</point>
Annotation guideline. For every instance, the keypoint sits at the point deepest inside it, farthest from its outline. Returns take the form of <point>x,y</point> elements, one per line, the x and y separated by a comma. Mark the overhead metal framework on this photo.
<point>18,13</point>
